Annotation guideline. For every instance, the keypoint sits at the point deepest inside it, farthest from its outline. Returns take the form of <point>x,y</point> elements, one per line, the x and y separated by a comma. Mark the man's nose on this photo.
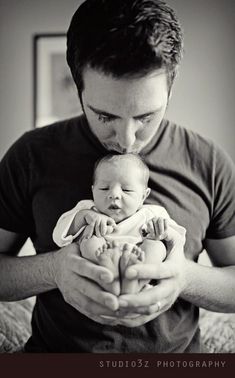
<point>126,134</point>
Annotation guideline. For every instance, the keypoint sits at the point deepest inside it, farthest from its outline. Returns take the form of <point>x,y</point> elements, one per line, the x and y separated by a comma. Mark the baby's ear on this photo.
<point>147,193</point>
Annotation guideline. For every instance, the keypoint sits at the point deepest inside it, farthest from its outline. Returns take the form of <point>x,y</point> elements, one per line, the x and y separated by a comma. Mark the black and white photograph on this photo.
<point>117,178</point>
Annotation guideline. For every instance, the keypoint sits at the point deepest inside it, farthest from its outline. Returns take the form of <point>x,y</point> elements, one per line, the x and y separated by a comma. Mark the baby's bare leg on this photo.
<point>155,253</point>
<point>104,254</point>
<point>131,255</point>
<point>109,256</point>
<point>149,252</point>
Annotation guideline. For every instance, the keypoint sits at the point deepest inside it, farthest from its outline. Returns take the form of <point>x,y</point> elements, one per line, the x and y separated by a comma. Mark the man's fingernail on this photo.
<point>131,273</point>
<point>105,277</point>
<point>123,303</point>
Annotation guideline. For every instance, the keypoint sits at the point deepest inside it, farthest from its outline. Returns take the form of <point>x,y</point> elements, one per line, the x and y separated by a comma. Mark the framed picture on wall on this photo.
<point>55,94</point>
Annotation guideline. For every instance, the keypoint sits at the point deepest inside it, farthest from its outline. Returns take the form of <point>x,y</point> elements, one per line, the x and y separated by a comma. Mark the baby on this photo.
<point>117,229</point>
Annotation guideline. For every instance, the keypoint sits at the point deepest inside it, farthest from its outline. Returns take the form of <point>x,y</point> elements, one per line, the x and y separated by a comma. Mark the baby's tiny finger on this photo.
<point>166,224</point>
<point>164,234</point>
<point>160,223</point>
<point>111,222</point>
<point>109,230</point>
<point>103,228</point>
<point>97,229</point>
<point>150,228</point>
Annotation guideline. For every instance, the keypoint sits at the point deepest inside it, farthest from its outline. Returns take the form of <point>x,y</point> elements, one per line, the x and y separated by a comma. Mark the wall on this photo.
<point>204,93</point>
<point>203,97</point>
<point>19,21</point>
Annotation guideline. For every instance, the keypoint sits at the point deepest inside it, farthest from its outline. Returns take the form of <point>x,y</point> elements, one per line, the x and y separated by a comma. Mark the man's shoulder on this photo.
<point>52,141</point>
<point>182,134</point>
<point>63,135</point>
<point>187,144</point>
<point>57,129</point>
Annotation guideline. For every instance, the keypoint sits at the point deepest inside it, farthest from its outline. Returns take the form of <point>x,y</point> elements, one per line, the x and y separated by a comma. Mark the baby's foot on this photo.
<point>88,247</point>
<point>108,256</point>
<point>131,255</point>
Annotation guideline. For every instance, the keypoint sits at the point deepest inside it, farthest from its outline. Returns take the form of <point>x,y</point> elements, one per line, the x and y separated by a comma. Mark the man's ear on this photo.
<point>146,193</point>
<point>92,188</point>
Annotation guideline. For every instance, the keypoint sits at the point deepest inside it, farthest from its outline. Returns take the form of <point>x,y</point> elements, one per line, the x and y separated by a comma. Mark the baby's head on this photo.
<point>120,185</point>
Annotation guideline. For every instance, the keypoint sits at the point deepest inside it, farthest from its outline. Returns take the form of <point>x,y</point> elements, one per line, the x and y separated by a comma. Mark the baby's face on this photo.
<point>119,189</point>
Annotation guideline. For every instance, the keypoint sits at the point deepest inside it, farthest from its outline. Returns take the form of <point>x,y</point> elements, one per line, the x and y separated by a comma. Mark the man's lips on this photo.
<point>115,147</point>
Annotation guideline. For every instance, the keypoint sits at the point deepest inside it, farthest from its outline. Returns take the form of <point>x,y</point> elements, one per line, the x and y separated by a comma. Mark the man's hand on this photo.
<point>152,302</point>
<point>80,280</point>
<point>98,224</point>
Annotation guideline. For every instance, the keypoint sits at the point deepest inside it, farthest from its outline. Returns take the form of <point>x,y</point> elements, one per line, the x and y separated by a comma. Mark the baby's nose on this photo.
<point>114,194</point>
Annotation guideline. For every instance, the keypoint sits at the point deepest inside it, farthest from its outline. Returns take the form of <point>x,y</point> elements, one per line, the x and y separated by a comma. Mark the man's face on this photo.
<point>124,114</point>
<point>116,193</point>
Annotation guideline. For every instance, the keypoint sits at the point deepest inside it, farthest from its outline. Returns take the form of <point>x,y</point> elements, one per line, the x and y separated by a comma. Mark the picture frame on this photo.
<point>55,94</point>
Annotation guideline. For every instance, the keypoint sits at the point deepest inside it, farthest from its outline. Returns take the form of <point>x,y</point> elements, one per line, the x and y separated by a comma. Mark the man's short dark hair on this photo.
<point>124,38</point>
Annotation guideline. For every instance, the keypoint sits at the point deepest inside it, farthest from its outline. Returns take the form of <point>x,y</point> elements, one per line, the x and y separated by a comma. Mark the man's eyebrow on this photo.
<point>99,111</point>
<point>148,113</point>
<point>103,112</point>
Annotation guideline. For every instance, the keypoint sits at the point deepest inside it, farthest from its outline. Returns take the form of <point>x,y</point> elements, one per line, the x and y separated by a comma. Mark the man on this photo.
<point>123,56</point>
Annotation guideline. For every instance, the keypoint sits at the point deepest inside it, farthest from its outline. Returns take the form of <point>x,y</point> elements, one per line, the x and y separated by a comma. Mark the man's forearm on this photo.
<point>210,287</point>
<point>23,277</point>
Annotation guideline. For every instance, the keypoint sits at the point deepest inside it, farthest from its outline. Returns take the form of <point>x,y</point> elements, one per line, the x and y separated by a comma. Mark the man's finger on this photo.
<point>92,307</point>
<point>158,293</point>
<point>166,269</point>
<point>139,321</point>
<point>92,271</point>
<point>93,292</point>
<point>157,307</point>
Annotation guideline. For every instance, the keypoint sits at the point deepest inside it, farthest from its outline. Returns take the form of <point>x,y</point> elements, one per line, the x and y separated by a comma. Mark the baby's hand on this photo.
<point>98,224</point>
<point>157,228</point>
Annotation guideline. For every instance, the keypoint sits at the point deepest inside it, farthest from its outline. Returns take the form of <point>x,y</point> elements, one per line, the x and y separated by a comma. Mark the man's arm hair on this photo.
<point>25,276</point>
<point>213,287</point>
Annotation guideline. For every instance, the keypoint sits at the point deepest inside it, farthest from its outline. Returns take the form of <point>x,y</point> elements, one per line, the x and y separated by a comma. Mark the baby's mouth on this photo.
<point>114,207</point>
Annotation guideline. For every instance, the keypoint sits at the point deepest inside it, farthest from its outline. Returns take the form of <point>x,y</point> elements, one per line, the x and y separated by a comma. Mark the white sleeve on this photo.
<point>157,211</point>
<point>63,224</point>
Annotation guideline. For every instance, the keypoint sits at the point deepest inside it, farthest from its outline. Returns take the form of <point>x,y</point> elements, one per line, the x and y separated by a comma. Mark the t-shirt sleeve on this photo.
<point>15,198</point>
<point>222,222</point>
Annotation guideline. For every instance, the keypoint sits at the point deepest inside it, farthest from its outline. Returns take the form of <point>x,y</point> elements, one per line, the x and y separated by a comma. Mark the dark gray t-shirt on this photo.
<point>47,171</point>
